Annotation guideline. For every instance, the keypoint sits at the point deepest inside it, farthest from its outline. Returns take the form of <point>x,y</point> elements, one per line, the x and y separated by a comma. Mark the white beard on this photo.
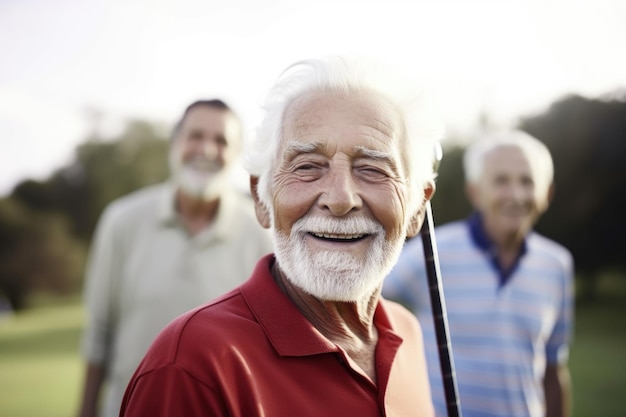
<point>199,177</point>
<point>335,275</point>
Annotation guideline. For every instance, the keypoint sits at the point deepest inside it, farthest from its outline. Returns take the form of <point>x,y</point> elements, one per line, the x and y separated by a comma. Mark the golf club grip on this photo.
<point>440,317</point>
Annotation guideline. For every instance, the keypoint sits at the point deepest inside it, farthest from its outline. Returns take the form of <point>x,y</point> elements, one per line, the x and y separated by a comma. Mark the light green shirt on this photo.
<point>145,270</point>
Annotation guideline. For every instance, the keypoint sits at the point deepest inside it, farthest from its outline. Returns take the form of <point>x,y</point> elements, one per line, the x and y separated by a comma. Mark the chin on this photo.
<point>203,187</point>
<point>335,275</point>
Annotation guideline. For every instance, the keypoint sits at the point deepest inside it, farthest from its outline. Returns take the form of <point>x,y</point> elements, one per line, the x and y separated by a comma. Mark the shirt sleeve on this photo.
<point>170,391</point>
<point>557,348</point>
<point>103,271</point>
<point>403,284</point>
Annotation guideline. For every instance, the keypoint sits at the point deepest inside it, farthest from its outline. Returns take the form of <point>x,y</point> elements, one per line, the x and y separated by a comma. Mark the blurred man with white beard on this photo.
<point>165,249</point>
<point>341,170</point>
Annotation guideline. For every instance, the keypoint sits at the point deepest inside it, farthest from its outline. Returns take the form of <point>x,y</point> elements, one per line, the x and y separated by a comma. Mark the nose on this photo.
<point>519,192</point>
<point>210,148</point>
<point>341,193</point>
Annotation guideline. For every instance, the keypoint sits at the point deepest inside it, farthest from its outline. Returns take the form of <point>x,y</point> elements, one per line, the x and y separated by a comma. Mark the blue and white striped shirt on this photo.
<point>502,336</point>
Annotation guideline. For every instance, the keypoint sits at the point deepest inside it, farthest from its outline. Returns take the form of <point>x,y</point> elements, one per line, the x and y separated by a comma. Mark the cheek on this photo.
<point>291,202</point>
<point>391,208</point>
<point>492,196</point>
<point>541,202</point>
<point>184,152</point>
<point>226,157</point>
<point>175,155</point>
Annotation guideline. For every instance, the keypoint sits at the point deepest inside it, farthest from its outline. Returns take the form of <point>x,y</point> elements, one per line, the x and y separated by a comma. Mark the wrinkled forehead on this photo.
<point>505,157</point>
<point>325,112</point>
<point>508,156</point>
<point>353,104</point>
<point>506,150</point>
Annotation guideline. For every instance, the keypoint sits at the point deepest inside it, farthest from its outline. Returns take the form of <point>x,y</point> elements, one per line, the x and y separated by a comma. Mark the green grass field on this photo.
<point>597,356</point>
<point>41,372</point>
<point>40,369</point>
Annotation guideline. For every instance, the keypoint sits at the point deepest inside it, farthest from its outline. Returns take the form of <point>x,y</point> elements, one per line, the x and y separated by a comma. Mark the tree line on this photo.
<point>46,226</point>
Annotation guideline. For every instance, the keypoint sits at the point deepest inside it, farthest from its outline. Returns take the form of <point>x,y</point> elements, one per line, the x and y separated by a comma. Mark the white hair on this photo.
<point>536,151</point>
<point>422,129</point>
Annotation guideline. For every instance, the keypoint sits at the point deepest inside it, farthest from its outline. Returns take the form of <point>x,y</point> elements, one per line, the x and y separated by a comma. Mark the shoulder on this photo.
<point>135,205</point>
<point>447,237</point>
<point>456,231</point>
<point>449,232</point>
<point>240,203</point>
<point>403,322</point>
<point>400,317</point>
<point>549,250</point>
<point>239,218</point>
<point>184,341</point>
<point>124,216</point>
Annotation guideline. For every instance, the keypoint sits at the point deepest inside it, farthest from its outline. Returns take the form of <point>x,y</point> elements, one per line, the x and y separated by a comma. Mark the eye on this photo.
<point>501,180</point>
<point>528,182</point>
<point>221,141</point>
<point>304,167</point>
<point>371,172</point>
<point>304,163</point>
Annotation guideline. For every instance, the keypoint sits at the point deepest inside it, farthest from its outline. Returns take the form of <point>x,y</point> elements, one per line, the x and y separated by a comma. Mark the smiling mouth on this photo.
<point>339,238</point>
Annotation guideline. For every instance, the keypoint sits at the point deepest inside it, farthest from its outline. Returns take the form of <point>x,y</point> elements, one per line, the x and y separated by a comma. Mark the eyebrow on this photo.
<point>294,148</point>
<point>384,157</point>
<point>299,147</point>
<point>315,146</point>
<point>362,151</point>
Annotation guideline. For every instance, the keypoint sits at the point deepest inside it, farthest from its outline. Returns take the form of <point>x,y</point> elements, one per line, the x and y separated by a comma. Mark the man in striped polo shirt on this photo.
<point>508,290</point>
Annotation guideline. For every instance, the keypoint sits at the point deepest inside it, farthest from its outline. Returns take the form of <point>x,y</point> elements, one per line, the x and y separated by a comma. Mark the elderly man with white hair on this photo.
<point>508,290</point>
<point>164,249</point>
<point>341,171</point>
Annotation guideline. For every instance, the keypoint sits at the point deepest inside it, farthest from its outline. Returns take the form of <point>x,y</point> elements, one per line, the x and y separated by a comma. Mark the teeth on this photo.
<point>333,236</point>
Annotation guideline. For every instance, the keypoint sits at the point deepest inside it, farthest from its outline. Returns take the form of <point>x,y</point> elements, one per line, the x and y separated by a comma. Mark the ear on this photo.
<point>418,217</point>
<point>550,193</point>
<point>471,192</point>
<point>262,214</point>
<point>548,198</point>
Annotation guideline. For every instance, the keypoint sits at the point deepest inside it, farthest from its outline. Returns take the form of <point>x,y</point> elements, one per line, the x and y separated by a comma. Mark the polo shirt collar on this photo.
<point>288,330</point>
<point>482,241</point>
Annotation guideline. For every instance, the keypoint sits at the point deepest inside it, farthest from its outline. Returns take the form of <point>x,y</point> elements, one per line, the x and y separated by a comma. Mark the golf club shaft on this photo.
<point>440,317</point>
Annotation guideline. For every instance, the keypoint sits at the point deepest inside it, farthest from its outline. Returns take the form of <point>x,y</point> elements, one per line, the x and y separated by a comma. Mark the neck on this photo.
<point>195,213</point>
<point>350,325</point>
<point>508,247</point>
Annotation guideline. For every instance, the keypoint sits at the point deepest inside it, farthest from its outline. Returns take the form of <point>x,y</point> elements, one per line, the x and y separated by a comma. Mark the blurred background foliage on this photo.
<point>46,226</point>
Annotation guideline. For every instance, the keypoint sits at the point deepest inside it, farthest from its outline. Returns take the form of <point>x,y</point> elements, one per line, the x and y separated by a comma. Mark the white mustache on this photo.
<point>334,226</point>
<point>202,164</point>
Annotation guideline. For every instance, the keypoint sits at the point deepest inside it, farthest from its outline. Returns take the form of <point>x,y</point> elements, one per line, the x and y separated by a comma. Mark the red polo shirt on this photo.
<point>252,353</point>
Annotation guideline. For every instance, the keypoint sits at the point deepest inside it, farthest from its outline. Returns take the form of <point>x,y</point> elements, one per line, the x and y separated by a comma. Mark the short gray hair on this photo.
<point>536,151</point>
<point>345,75</point>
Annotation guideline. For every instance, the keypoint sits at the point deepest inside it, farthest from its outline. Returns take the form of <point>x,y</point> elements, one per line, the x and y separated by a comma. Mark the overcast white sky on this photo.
<point>150,58</point>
